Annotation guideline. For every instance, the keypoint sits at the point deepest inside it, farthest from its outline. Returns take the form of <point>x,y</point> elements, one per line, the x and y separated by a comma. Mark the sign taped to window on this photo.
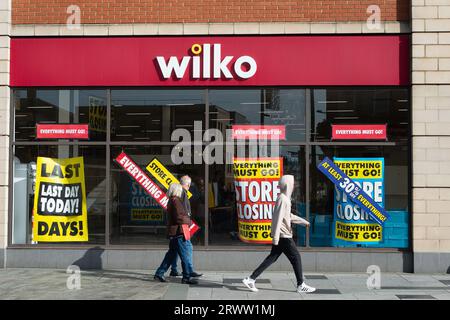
<point>352,190</point>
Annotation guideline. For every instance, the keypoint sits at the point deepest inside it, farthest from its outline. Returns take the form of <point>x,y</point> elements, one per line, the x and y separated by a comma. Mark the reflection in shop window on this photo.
<point>259,107</point>
<point>25,158</point>
<point>136,217</point>
<point>44,106</point>
<point>152,115</point>
<point>389,106</point>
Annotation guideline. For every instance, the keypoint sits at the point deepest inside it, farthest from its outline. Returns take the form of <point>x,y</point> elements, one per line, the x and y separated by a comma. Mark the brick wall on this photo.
<point>431,134</point>
<point>207,11</point>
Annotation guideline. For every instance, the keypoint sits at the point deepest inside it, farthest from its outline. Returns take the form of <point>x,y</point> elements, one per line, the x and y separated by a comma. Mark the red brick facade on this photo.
<point>198,11</point>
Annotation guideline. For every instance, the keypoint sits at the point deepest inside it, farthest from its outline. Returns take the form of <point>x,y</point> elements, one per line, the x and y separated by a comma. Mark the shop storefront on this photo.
<point>170,103</point>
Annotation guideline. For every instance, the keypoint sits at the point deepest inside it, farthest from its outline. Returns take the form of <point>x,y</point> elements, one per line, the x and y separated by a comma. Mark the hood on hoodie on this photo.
<point>287,185</point>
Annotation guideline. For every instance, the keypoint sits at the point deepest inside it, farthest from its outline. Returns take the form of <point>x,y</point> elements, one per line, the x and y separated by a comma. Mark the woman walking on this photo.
<point>177,216</point>
<point>282,238</point>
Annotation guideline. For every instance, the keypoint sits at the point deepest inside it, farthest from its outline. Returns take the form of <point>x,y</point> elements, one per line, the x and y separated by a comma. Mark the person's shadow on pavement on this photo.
<point>92,259</point>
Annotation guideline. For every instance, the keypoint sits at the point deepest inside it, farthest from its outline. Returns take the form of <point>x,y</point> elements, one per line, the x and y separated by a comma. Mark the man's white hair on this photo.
<point>175,189</point>
<point>184,180</point>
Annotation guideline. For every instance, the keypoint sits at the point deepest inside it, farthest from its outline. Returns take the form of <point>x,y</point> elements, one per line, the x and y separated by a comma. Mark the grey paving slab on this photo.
<point>226,294</point>
<point>442,296</point>
<point>415,297</point>
<point>199,293</point>
<point>264,295</point>
<point>328,297</point>
<point>51,284</point>
<point>283,284</point>
<point>176,291</point>
<point>445,282</point>
<point>316,276</point>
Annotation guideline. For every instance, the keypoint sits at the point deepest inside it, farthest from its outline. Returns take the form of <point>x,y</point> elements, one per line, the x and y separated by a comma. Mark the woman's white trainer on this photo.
<point>304,288</point>
<point>250,283</point>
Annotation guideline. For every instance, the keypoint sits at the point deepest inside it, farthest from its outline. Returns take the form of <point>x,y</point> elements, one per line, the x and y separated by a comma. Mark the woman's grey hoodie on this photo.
<point>282,216</point>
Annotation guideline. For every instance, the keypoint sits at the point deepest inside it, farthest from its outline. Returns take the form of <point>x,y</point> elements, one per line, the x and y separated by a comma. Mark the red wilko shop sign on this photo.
<point>144,181</point>
<point>62,131</point>
<point>211,61</point>
<point>359,131</point>
<point>253,132</point>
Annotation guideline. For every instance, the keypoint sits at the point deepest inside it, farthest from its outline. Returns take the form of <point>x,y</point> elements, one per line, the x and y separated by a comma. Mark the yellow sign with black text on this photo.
<point>357,232</point>
<point>257,168</point>
<point>162,175</point>
<point>59,211</point>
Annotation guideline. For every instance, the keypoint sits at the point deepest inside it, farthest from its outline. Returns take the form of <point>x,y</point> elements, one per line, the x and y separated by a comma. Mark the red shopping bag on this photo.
<point>193,228</point>
<point>186,232</point>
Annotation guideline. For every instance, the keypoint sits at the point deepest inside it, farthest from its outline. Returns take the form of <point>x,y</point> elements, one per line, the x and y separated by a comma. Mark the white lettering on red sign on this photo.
<point>220,66</point>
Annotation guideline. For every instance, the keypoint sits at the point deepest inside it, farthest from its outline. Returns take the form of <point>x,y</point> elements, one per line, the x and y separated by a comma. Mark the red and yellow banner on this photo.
<point>256,187</point>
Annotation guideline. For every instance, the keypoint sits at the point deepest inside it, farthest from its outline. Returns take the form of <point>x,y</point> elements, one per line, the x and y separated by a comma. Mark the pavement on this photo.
<point>56,284</point>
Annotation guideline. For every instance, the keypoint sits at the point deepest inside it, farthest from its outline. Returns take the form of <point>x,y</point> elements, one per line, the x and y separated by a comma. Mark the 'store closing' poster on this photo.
<point>353,225</point>
<point>59,211</point>
<point>256,188</point>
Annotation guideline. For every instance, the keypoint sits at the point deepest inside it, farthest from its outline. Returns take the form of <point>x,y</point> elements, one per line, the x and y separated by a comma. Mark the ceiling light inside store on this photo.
<point>332,101</point>
<point>41,107</point>
<point>129,126</point>
<point>221,119</point>
<point>138,113</point>
<point>270,112</point>
<point>342,110</point>
<point>402,101</point>
<point>124,135</point>
<point>21,115</point>
<point>179,104</point>
<point>345,118</point>
<point>403,110</point>
<point>255,103</point>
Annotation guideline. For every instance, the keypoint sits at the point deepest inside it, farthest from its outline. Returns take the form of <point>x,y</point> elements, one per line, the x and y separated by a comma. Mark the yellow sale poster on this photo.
<point>59,211</point>
<point>256,187</point>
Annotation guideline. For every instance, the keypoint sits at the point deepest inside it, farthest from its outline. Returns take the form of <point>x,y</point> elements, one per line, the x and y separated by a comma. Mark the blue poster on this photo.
<point>352,225</point>
<point>143,209</point>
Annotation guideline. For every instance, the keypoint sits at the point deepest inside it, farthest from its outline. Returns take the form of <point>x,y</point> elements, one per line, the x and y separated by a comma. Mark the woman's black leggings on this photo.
<point>286,246</point>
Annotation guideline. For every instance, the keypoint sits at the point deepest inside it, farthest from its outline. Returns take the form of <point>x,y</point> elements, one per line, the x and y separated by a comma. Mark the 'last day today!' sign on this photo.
<point>60,213</point>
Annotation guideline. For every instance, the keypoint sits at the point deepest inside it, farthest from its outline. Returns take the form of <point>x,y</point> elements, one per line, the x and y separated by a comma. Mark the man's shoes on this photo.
<point>160,278</point>
<point>189,281</point>
<point>196,275</point>
<point>175,273</point>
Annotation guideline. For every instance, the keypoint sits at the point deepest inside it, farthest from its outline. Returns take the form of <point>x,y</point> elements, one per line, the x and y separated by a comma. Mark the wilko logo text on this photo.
<point>244,67</point>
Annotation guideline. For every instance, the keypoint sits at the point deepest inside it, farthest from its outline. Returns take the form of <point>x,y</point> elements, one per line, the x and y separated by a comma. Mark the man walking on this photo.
<point>185,182</point>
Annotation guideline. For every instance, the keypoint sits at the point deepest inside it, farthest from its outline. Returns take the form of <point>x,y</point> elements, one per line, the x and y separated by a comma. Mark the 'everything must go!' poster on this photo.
<point>59,211</point>
<point>256,187</point>
<point>352,225</point>
<point>143,208</point>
